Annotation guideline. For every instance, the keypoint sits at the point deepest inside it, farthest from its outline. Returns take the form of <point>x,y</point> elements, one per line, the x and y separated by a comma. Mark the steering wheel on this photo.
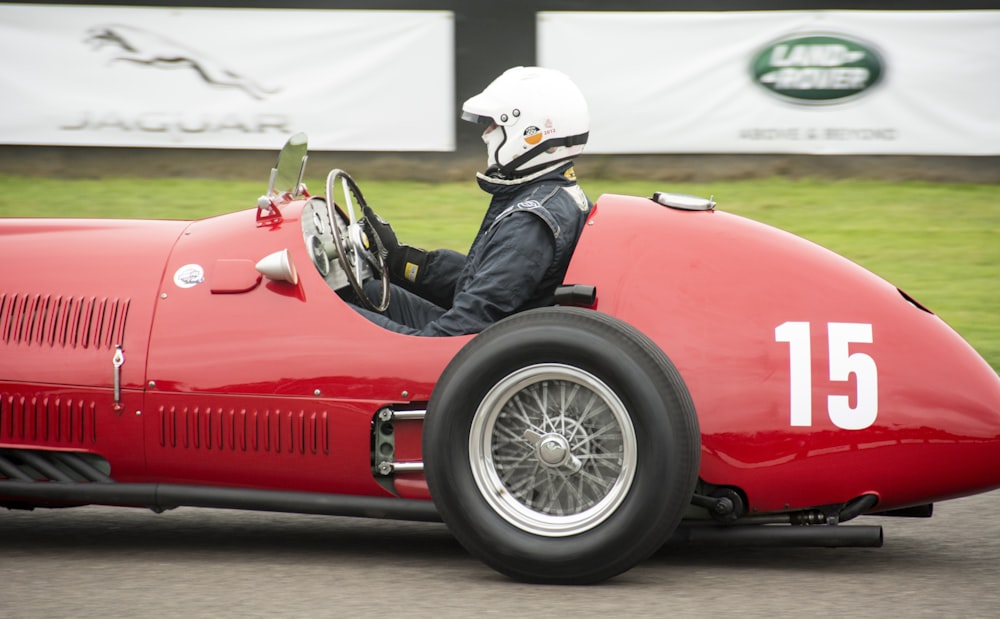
<point>355,247</point>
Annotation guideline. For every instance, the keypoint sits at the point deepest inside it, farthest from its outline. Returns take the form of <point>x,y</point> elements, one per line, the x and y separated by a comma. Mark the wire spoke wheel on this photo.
<point>561,446</point>
<point>553,450</point>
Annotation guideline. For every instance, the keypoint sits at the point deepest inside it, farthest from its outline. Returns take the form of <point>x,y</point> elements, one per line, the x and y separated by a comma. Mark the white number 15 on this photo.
<point>843,363</point>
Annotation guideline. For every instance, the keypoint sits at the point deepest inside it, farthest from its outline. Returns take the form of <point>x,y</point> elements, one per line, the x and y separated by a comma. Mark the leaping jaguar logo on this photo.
<point>143,47</point>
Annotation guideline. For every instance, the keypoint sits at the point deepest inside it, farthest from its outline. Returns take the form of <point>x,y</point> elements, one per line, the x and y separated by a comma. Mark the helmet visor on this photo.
<point>479,119</point>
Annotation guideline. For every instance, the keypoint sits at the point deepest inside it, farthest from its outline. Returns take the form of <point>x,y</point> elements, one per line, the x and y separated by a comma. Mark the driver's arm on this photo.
<point>437,277</point>
<point>430,274</point>
<point>506,276</point>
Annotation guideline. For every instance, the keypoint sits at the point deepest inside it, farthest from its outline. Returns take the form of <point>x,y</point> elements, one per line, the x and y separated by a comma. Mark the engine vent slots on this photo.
<point>56,421</point>
<point>242,430</point>
<point>69,322</point>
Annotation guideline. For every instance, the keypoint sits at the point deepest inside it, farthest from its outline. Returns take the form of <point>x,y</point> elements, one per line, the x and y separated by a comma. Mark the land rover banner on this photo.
<point>229,78</point>
<point>837,82</point>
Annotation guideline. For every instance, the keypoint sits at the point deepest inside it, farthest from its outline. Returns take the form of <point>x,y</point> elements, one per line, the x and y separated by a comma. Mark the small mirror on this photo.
<point>286,176</point>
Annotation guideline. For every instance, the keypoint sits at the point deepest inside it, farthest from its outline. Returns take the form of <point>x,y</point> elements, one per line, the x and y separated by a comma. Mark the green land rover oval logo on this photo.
<point>817,68</point>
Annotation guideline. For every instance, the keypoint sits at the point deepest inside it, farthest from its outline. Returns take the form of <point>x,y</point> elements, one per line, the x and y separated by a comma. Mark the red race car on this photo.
<point>702,377</point>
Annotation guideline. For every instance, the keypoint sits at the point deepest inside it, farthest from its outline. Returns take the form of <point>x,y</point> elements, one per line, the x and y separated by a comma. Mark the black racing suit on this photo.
<point>518,258</point>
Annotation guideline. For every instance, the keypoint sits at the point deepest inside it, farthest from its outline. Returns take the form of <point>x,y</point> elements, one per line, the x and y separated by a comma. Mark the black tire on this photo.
<point>596,400</point>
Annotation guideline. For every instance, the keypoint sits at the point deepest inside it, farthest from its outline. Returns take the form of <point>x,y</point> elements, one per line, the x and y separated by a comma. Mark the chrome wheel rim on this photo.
<point>552,449</point>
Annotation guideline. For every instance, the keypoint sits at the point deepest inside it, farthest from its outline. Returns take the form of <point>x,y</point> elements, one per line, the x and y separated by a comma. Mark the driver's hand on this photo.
<point>382,228</point>
<point>403,262</point>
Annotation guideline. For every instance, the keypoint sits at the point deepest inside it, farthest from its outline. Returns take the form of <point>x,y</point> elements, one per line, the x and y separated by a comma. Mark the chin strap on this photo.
<point>492,174</point>
<point>510,170</point>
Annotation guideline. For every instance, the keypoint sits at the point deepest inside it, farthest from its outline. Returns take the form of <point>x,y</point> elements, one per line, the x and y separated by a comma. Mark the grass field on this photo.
<point>939,242</point>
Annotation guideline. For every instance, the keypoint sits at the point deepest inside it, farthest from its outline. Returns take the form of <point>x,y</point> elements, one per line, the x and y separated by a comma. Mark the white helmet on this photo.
<point>536,117</point>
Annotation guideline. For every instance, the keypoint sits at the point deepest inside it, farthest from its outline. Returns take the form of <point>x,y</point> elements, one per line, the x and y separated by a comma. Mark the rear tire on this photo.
<point>561,446</point>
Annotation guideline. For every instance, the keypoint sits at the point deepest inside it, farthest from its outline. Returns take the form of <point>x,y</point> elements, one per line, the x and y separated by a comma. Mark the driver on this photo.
<point>536,120</point>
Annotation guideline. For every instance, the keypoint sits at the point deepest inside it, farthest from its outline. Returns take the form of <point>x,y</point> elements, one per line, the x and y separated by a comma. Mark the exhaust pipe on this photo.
<point>798,529</point>
<point>787,536</point>
<point>161,497</point>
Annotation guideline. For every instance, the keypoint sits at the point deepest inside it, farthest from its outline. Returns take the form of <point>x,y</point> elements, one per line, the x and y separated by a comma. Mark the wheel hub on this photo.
<point>553,450</point>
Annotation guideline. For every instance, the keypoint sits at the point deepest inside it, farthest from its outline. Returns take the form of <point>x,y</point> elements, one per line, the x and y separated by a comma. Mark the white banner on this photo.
<point>820,82</point>
<point>227,78</point>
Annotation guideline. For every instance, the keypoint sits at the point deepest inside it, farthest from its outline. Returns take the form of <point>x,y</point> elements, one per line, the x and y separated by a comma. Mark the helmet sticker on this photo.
<point>532,135</point>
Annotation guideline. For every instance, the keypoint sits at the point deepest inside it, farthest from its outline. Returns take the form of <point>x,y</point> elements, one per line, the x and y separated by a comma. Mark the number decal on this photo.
<point>843,363</point>
<point>800,370</point>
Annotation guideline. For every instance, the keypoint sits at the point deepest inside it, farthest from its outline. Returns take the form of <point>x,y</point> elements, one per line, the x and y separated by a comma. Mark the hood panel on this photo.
<point>72,291</point>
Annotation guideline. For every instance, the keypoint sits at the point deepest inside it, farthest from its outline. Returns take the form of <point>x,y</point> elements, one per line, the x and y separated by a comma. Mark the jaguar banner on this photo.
<point>226,78</point>
<point>817,82</point>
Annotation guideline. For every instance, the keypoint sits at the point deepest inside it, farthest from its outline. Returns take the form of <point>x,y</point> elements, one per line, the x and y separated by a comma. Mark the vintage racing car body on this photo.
<point>213,363</point>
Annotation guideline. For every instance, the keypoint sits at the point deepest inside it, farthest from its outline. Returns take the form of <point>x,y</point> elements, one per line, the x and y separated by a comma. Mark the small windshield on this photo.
<point>286,176</point>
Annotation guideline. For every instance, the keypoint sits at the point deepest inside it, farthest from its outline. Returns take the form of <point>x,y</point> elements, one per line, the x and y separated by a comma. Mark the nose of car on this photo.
<point>954,410</point>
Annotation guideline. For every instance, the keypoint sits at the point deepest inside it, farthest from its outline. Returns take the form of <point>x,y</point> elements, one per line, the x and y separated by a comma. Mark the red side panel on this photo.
<point>271,384</point>
<point>814,380</point>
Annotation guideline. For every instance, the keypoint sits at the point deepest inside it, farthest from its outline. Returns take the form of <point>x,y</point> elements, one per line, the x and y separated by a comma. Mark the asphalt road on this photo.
<point>193,563</point>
